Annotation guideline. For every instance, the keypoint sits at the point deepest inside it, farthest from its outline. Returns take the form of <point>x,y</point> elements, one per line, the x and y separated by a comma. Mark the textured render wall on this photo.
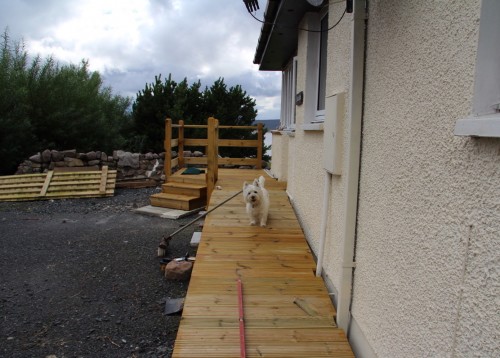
<point>305,157</point>
<point>279,162</point>
<point>305,169</point>
<point>339,50</point>
<point>429,208</point>
<point>306,188</point>
<point>306,174</point>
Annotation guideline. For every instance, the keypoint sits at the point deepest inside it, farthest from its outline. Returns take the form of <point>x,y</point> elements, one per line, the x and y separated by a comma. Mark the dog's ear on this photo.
<point>255,182</point>
<point>245,184</point>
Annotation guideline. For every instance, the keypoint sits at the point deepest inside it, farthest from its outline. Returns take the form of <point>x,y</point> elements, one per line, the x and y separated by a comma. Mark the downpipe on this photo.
<point>353,158</point>
<point>324,221</point>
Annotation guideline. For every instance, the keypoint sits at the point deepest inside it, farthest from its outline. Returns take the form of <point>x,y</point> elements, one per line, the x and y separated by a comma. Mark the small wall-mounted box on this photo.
<point>333,133</point>
<point>299,98</point>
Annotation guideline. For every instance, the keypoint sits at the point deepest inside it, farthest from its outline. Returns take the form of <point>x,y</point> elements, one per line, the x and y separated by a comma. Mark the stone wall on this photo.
<point>128,165</point>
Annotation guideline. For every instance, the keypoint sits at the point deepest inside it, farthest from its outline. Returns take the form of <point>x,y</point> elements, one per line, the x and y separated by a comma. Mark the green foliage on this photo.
<point>15,130</point>
<point>169,99</point>
<point>45,105</point>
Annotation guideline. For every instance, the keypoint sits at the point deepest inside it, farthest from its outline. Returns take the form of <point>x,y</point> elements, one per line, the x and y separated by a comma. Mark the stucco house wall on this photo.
<point>429,208</point>
<point>427,253</point>
<point>305,163</point>
<point>280,155</point>
<point>304,156</point>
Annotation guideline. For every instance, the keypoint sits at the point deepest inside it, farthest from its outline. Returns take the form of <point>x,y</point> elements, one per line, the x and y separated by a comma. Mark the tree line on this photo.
<point>46,105</point>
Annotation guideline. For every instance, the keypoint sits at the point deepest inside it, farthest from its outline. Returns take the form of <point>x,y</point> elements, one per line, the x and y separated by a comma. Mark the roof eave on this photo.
<point>279,33</point>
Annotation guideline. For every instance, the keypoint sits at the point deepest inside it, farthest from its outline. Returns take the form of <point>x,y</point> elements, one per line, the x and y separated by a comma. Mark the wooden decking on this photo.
<point>287,311</point>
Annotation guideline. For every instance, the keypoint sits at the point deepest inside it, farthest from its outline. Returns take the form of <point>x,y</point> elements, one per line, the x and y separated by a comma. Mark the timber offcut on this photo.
<point>256,282</point>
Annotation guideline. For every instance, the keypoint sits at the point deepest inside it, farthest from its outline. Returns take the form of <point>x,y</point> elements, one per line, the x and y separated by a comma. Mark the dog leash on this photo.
<point>201,216</point>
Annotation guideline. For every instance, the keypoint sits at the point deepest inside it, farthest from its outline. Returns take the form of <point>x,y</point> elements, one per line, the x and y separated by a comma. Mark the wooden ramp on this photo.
<point>287,310</point>
<point>58,185</point>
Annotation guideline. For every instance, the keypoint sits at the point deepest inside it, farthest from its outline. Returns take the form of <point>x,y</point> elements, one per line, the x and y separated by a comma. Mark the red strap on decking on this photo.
<point>241,319</point>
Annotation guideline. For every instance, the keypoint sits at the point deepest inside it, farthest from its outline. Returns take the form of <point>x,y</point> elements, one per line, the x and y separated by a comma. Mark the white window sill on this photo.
<point>312,126</point>
<point>484,126</point>
<point>288,132</point>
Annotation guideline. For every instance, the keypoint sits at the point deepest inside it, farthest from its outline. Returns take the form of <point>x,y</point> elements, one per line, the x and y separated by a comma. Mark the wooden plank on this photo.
<point>79,176</point>
<point>57,185</point>
<point>195,160</point>
<point>212,155</point>
<point>238,161</point>
<point>167,146</point>
<point>76,169</point>
<point>259,146</point>
<point>180,152</point>
<point>189,142</point>
<point>229,334</point>
<point>136,183</point>
<point>104,179</point>
<point>174,162</point>
<point>238,127</point>
<point>200,126</point>
<point>238,143</point>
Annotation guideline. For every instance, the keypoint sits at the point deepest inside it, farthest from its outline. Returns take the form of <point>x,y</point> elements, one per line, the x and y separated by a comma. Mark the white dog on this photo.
<point>257,201</point>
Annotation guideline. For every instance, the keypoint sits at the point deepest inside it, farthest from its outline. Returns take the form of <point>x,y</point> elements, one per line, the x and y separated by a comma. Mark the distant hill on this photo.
<point>270,124</point>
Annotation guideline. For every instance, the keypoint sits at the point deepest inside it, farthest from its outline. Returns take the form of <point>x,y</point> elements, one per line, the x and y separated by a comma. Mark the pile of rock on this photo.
<point>128,165</point>
<point>188,153</point>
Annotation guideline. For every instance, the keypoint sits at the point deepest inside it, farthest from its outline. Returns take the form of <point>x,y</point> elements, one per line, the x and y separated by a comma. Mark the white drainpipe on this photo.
<point>324,221</point>
<point>353,151</point>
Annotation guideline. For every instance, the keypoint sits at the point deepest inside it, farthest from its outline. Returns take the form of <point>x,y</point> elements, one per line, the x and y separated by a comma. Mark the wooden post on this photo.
<point>180,155</point>
<point>259,145</point>
<point>168,149</point>
<point>212,155</point>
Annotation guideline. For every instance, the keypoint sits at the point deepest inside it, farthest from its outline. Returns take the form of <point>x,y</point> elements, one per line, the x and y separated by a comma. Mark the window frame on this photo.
<point>314,118</point>
<point>322,71</point>
<point>288,92</point>
<point>484,120</point>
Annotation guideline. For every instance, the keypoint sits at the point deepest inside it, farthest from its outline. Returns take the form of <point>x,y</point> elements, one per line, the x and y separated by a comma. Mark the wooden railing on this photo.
<point>211,143</point>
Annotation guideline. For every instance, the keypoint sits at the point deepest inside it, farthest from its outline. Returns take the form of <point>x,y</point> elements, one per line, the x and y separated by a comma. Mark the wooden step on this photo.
<point>193,179</point>
<point>189,189</point>
<point>174,201</point>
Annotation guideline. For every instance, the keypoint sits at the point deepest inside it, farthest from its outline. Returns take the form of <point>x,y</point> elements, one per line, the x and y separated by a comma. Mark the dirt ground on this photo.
<point>80,278</point>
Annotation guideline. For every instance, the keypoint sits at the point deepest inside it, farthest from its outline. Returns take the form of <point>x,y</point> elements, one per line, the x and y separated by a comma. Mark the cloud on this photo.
<point>132,41</point>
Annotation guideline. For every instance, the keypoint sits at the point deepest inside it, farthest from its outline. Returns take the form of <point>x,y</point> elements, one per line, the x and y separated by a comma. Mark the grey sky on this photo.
<point>131,41</point>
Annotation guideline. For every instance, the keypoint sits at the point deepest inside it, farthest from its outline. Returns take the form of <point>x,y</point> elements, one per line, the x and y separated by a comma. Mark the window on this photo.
<point>316,70</point>
<point>323,51</point>
<point>484,120</point>
<point>288,92</point>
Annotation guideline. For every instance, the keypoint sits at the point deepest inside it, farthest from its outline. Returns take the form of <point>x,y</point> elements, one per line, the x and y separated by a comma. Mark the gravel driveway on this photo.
<point>80,278</point>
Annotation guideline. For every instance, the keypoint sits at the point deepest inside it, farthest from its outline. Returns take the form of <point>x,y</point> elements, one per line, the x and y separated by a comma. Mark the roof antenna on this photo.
<point>252,5</point>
